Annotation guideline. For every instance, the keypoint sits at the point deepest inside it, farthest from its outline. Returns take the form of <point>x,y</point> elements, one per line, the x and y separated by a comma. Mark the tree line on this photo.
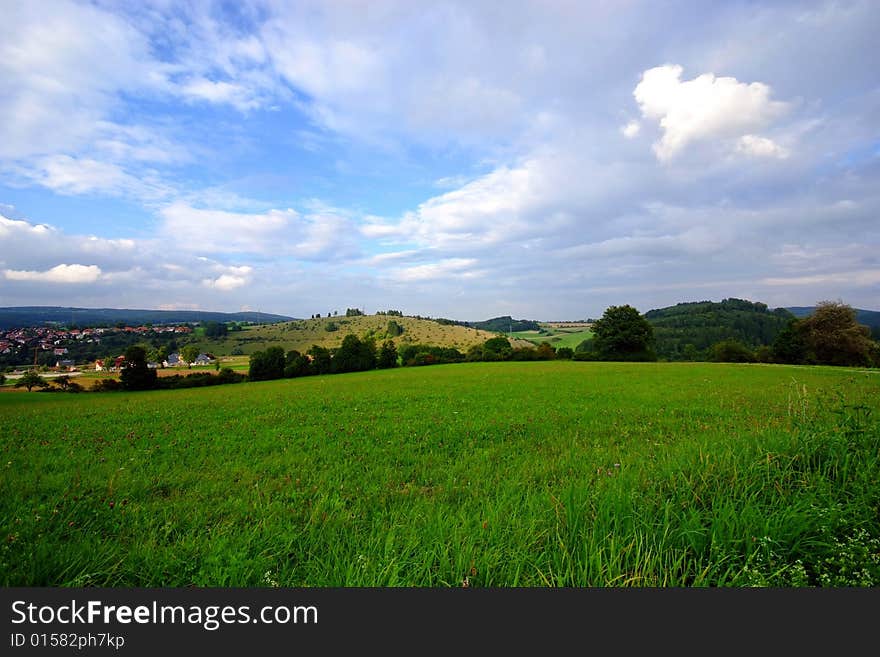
<point>829,336</point>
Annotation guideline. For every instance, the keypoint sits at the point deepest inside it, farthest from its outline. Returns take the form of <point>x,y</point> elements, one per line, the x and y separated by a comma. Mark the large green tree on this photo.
<point>189,353</point>
<point>387,355</point>
<point>267,365</point>
<point>497,348</point>
<point>834,337</point>
<point>31,380</point>
<point>623,334</point>
<point>135,374</point>
<point>354,355</point>
<point>321,361</point>
<point>789,345</point>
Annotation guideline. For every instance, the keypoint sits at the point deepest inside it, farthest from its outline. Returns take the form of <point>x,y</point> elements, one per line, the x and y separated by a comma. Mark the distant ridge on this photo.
<point>505,324</point>
<point>12,317</point>
<point>688,329</point>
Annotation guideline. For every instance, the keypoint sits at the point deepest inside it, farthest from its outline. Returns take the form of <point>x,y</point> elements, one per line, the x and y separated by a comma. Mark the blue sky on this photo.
<point>457,159</point>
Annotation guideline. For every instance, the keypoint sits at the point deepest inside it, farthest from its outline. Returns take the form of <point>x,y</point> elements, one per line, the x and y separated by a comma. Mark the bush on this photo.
<point>731,351</point>
<point>424,354</point>
<point>107,385</point>
<point>228,375</point>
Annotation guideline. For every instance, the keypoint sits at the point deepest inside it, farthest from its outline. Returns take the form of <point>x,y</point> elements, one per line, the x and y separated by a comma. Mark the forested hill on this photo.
<point>867,317</point>
<point>42,315</point>
<point>703,323</point>
<point>505,324</point>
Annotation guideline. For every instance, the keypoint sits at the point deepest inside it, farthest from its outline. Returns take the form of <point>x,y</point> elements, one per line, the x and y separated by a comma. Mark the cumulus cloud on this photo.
<point>57,274</point>
<point>704,108</point>
<point>226,282</point>
<point>461,268</point>
<point>61,66</point>
<point>520,125</point>
<point>761,147</point>
<point>220,231</point>
<point>631,129</point>
<point>317,233</point>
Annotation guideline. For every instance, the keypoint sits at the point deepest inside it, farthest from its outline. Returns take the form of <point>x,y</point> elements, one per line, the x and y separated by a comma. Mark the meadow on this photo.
<point>552,473</point>
<point>558,335</point>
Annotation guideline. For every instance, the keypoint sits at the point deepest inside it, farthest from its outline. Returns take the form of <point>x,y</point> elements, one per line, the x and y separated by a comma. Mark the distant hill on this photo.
<point>45,315</point>
<point>505,324</point>
<point>703,323</point>
<point>867,317</point>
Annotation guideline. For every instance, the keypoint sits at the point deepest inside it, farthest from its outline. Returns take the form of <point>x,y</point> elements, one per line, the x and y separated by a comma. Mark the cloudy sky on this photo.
<point>457,159</point>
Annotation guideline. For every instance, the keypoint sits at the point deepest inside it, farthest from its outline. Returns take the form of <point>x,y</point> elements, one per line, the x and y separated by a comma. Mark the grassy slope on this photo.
<point>558,337</point>
<point>558,473</point>
<point>301,335</point>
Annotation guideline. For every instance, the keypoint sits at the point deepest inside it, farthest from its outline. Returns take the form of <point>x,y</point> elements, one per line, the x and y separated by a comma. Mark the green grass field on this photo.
<point>557,337</point>
<point>485,474</point>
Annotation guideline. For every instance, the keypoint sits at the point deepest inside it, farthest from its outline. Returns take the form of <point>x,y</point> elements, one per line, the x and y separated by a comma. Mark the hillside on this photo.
<point>13,317</point>
<point>329,332</point>
<point>703,323</point>
<point>505,324</point>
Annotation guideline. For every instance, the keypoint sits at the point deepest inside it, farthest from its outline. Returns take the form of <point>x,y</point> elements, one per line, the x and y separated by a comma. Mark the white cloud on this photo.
<point>219,231</point>
<point>240,97</point>
<point>58,274</point>
<point>9,227</point>
<point>450,268</point>
<point>67,175</point>
<point>761,147</point>
<point>631,129</point>
<point>61,66</point>
<point>70,176</point>
<point>861,278</point>
<point>226,282</point>
<point>704,108</point>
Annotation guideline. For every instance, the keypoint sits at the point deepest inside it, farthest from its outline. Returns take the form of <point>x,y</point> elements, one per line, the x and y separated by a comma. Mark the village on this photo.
<point>55,348</point>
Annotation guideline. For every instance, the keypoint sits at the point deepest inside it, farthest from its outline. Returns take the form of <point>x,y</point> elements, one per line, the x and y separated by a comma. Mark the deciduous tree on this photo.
<point>833,337</point>
<point>135,374</point>
<point>623,334</point>
<point>31,380</point>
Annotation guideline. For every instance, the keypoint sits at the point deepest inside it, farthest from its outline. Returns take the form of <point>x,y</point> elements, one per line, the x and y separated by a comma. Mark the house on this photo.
<point>99,365</point>
<point>66,364</point>
<point>173,360</point>
<point>203,359</point>
<point>153,365</point>
<point>59,351</point>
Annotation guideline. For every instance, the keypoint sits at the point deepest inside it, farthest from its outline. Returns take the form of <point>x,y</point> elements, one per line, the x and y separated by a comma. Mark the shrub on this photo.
<point>107,385</point>
<point>731,351</point>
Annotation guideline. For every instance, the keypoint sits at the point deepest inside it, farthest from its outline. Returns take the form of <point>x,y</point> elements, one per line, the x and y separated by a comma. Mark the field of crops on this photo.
<point>479,474</point>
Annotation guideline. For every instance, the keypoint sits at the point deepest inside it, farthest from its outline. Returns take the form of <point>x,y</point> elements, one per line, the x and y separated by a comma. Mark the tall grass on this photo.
<point>484,474</point>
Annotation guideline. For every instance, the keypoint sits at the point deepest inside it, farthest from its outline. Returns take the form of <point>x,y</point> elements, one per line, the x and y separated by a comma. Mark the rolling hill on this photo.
<point>686,328</point>
<point>328,332</point>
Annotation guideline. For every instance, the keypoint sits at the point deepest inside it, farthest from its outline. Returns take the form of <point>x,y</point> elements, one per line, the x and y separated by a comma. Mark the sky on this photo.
<point>466,160</point>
